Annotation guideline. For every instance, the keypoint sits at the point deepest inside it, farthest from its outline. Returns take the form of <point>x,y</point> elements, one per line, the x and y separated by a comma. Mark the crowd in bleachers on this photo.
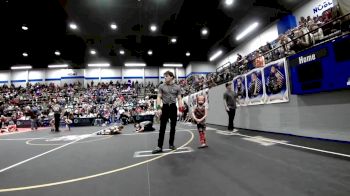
<point>310,31</point>
<point>106,101</point>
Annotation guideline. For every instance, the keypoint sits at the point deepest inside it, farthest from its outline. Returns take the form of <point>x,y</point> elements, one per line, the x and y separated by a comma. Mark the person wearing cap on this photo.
<point>230,106</point>
<point>166,106</point>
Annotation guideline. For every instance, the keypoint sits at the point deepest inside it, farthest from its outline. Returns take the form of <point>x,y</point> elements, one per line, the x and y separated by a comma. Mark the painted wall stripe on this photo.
<point>15,81</point>
<point>35,80</point>
<point>111,78</point>
<point>52,79</point>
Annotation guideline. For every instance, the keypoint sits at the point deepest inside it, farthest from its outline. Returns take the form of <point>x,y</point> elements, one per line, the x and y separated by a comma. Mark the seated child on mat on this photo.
<point>144,126</point>
<point>9,126</point>
<point>111,131</point>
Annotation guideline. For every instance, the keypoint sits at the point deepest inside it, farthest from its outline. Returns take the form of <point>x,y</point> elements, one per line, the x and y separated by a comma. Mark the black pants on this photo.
<point>168,111</point>
<point>231,118</point>
<point>57,117</point>
<point>148,127</point>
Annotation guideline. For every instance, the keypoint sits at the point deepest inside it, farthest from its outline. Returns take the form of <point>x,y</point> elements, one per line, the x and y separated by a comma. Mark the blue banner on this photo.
<point>239,87</point>
<point>276,82</point>
<point>255,87</point>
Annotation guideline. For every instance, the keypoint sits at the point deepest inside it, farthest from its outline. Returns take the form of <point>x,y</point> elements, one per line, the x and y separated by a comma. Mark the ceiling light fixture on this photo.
<point>228,2</point>
<point>73,26</point>
<point>135,64</point>
<point>216,55</point>
<point>25,54</point>
<point>93,52</point>
<point>153,28</point>
<point>21,67</point>
<point>121,52</point>
<point>204,31</point>
<point>24,27</point>
<point>173,40</point>
<point>58,66</point>
<point>99,65</point>
<point>188,54</point>
<point>57,53</point>
<point>150,52</point>
<point>247,31</point>
<point>114,26</point>
<point>172,65</point>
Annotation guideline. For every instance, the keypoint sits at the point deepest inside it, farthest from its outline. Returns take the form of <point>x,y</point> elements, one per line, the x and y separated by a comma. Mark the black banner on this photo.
<point>83,122</point>
<point>23,123</point>
<point>141,118</point>
<point>302,59</point>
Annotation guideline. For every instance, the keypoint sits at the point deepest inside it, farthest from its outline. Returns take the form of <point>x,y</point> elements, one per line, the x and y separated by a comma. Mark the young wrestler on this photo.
<point>68,122</point>
<point>9,126</point>
<point>52,125</point>
<point>144,126</point>
<point>111,131</point>
<point>199,113</point>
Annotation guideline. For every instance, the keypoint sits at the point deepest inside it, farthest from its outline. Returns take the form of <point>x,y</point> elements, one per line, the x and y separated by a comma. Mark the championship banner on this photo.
<point>255,87</point>
<point>276,83</point>
<point>239,87</point>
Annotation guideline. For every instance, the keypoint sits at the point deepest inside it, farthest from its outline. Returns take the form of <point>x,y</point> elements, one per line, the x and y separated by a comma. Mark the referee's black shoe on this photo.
<point>172,147</point>
<point>157,150</point>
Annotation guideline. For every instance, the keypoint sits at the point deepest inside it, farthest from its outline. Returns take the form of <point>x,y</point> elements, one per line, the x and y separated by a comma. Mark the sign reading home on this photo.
<point>306,58</point>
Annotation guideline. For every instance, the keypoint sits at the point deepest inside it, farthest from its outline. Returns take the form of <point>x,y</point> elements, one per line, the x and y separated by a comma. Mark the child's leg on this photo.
<point>204,137</point>
<point>201,137</point>
<point>203,140</point>
<point>200,131</point>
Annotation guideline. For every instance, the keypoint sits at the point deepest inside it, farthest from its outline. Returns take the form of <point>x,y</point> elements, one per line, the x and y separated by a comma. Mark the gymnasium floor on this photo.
<point>246,163</point>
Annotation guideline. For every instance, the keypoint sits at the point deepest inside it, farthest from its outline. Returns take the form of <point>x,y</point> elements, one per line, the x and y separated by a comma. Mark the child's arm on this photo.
<point>205,115</point>
<point>194,116</point>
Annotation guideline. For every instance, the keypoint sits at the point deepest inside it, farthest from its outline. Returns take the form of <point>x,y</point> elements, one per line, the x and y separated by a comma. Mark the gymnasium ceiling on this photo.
<point>47,24</point>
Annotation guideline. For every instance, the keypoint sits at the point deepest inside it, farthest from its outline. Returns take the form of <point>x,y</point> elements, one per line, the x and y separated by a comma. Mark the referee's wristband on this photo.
<point>159,107</point>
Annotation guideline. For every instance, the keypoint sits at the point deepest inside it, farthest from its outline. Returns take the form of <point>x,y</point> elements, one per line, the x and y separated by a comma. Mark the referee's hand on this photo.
<point>159,112</point>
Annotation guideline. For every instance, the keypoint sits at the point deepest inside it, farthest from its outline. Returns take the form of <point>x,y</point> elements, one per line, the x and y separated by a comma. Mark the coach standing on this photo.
<point>230,106</point>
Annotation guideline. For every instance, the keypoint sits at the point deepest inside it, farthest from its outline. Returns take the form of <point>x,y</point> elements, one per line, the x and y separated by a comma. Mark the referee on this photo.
<point>167,94</point>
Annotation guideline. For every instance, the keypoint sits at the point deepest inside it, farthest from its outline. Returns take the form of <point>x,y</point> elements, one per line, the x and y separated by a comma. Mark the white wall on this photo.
<point>321,115</point>
<point>111,74</point>
<point>133,74</point>
<point>152,75</point>
<point>188,70</point>
<point>5,77</point>
<point>92,72</point>
<point>36,76</point>
<point>19,78</point>
<point>202,67</point>
<point>71,76</point>
<point>181,73</point>
<point>53,76</point>
<point>92,75</point>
